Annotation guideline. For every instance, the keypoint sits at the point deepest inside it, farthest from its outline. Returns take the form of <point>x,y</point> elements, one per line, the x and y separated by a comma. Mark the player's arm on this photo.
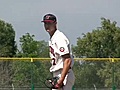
<point>67,62</point>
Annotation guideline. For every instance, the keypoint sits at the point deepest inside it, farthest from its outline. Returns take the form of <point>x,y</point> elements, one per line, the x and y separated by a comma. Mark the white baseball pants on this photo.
<point>69,79</point>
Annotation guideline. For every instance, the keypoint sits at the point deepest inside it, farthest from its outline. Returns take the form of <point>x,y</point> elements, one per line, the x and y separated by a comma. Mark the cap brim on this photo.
<point>47,21</point>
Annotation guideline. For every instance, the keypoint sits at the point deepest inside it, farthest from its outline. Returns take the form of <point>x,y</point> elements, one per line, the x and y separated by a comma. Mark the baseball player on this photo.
<point>60,53</point>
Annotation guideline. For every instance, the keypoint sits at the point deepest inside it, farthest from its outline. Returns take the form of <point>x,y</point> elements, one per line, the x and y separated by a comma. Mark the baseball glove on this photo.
<point>51,83</point>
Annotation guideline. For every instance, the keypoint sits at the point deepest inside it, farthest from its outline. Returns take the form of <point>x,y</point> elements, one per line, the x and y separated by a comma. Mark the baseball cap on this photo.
<point>49,18</point>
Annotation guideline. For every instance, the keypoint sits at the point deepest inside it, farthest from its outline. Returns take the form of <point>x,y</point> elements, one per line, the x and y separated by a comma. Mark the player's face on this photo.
<point>49,26</point>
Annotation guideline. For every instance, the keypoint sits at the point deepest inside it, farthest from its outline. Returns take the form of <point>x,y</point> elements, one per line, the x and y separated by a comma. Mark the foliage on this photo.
<point>7,40</point>
<point>101,42</point>
<point>32,48</point>
<point>7,49</point>
<point>28,72</point>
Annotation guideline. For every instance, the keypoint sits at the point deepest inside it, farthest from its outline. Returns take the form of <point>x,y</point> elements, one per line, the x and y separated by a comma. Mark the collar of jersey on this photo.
<point>54,35</point>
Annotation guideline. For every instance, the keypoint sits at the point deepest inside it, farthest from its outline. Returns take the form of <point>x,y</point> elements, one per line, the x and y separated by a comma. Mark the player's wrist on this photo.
<point>61,79</point>
<point>60,82</point>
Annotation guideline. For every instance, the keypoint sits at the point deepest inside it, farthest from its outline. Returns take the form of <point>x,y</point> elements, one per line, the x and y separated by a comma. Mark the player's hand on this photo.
<point>59,83</point>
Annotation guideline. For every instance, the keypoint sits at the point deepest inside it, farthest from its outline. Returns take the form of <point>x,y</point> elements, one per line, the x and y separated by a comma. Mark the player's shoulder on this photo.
<point>61,35</point>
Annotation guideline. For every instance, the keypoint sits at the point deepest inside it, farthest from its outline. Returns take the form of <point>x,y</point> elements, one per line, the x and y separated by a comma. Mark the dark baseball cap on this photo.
<point>49,18</point>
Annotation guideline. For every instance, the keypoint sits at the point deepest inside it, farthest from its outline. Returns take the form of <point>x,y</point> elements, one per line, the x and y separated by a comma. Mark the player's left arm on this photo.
<point>67,62</point>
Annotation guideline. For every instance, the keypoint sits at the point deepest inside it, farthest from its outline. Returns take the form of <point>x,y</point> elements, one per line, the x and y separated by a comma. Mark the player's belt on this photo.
<point>62,69</point>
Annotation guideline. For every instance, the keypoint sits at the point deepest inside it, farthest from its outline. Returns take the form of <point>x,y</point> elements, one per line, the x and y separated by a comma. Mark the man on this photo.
<point>62,60</point>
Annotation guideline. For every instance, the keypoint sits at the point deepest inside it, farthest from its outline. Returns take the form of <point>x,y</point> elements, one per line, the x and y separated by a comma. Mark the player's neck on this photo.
<point>52,33</point>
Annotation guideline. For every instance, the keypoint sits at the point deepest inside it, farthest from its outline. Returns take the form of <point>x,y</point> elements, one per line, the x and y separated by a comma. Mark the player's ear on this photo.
<point>55,22</point>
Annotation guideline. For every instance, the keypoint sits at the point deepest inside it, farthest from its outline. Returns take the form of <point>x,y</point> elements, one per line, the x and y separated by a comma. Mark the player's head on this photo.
<point>50,22</point>
<point>49,18</point>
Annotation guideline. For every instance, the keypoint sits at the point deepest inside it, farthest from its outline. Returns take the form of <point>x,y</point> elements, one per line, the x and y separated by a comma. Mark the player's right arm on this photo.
<point>67,63</point>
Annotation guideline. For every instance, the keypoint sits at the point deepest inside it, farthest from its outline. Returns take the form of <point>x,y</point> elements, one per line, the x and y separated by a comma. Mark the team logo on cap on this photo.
<point>62,49</point>
<point>47,17</point>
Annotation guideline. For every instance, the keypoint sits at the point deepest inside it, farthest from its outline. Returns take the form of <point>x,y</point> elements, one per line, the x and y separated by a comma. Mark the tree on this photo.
<point>32,48</point>
<point>7,49</point>
<point>101,42</point>
<point>7,40</point>
<point>23,70</point>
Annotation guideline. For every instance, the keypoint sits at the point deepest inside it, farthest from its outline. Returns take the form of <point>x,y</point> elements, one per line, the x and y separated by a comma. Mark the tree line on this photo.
<point>102,42</point>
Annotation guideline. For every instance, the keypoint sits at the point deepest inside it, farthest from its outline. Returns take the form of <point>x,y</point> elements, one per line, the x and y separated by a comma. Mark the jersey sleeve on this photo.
<point>62,46</point>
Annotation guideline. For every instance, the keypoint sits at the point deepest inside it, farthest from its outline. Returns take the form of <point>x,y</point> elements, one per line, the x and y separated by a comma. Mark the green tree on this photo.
<point>101,42</point>
<point>26,73</point>
<point>33,48</point>
<point>37,71</point>
<point>7,49</point>
<point>7,40</point>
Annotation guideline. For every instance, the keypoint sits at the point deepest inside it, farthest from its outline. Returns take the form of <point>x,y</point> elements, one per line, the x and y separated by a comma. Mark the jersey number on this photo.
<point>52,52</point>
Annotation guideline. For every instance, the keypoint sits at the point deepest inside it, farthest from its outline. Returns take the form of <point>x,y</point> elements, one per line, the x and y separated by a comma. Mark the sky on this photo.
<point>74,16</point>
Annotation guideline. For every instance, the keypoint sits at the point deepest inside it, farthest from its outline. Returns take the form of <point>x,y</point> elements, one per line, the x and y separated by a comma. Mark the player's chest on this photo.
<point>53,46</point>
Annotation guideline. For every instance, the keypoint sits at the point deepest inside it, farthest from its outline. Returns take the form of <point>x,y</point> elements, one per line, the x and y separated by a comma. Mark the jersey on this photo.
<point>59,45</point>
